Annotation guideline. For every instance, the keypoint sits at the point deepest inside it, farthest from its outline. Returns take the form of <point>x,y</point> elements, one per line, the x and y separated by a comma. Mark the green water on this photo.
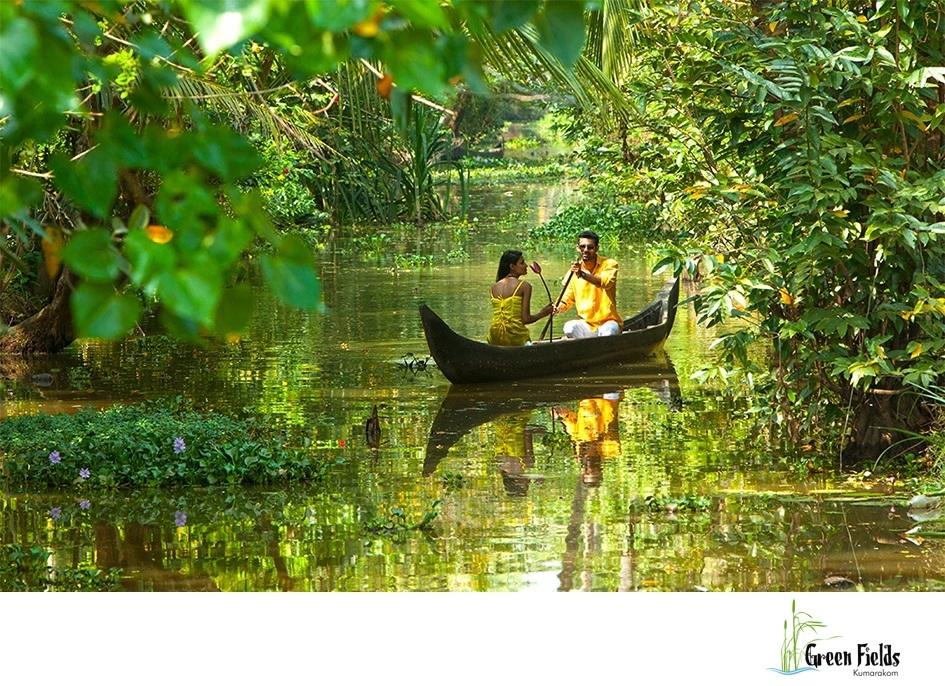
<point>660,487</point>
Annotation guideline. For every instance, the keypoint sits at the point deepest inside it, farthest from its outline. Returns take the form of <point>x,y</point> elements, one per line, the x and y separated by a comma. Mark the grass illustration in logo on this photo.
<point>792,646</point>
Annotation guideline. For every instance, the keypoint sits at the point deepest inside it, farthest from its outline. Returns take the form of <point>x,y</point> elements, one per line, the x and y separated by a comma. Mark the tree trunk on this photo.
<point>49,330</point>
<point>883,425</point>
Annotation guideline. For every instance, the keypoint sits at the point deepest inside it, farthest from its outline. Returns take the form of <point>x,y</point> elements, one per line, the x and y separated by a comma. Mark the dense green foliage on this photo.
<point>799,149</point>
<point>615,223</point>
<point>27,569</point>
<point>128,109</point>
<point>157,444</point>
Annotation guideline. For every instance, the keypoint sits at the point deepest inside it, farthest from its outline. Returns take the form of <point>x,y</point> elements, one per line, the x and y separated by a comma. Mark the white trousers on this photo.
<point>578,328</point>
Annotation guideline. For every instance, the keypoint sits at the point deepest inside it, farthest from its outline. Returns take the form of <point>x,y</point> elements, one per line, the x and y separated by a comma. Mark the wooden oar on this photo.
<point>537,269</point>
<point>566,282</point>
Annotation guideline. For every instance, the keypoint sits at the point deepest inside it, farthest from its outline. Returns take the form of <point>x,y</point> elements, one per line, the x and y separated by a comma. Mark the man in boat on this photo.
<point>592,289</point>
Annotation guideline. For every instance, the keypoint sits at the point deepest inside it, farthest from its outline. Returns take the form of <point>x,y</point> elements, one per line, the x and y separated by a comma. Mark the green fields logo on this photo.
<point>793,648</point>
<point>801,653</point>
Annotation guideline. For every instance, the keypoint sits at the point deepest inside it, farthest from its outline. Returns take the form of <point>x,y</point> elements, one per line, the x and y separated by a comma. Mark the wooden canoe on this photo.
<point>463,360</point>
<point>466,407</point>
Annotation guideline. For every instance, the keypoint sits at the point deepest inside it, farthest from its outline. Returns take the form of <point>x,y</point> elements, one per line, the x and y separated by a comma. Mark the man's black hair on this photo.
<point>590,234</point>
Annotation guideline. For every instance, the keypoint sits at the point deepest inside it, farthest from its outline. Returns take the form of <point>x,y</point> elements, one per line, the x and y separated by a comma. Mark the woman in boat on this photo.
<point>511,302</point>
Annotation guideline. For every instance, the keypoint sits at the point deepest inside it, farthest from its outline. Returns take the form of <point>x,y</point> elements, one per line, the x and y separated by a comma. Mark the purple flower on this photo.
<point>84,504</point>
<point>180,518</point>
<point>55,513</point>
<point>179,445</point>
<point>54,457</point>
<point>84,473</point>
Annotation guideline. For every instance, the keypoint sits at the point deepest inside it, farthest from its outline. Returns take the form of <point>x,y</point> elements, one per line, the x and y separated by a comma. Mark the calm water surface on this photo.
<point>637,480</point>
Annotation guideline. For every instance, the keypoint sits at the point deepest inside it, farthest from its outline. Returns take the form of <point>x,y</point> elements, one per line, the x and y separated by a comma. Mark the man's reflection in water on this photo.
<point>515,452</point>
<point>594,430</point>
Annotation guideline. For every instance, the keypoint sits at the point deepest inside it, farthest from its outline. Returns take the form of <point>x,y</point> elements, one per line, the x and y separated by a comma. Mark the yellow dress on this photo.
<point>507,327</point>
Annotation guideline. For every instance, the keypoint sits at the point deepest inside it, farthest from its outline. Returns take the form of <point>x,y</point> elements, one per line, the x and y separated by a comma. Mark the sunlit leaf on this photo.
<point>384,85</point>
<point>159,234</point>
<point>221,24</point>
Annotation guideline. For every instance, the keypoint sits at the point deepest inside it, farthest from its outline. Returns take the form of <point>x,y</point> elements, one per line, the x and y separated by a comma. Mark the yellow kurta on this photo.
<point>594,304</point>
<point>507,327</point>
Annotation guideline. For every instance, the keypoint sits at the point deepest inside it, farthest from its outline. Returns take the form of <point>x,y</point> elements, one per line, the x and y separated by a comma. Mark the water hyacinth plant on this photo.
<point>143,445</point>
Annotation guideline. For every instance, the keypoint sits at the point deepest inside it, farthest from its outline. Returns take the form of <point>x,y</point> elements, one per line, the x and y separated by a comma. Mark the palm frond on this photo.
<point>244,109</point>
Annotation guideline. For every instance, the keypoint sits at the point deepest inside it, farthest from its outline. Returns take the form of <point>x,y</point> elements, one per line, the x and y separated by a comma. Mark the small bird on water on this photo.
<point>372,429</point>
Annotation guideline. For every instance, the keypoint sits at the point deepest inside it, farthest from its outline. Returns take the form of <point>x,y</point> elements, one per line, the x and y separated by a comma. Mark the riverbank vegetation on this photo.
<point>149,445</point>
<point>789,156</point>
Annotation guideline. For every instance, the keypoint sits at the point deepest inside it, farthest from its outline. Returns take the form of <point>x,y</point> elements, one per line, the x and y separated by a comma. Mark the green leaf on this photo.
<point>235,310</point>
<point>510,14</point>
<point>140,218</point>
<point>400,107</point>
<point>18,193</point>
<point>90,254</point>
<point>220,24</point>
<point>91,182</point>
<point>121,142</point>
<point>191,294</point>
<point>225,152</point>
<point>561,29</point>
<point>338,15</point>
<point>415,64</point>
<point>185,205</point>
<point>100,312</point>
<point>148,260</point>
<point>18,42</point>
<point>294,282</point>
<point>422,13</point>
<point>229,241</point>
<point>179,327</point>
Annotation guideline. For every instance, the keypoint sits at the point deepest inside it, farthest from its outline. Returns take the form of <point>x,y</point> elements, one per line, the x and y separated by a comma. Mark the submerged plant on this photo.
<point>453,481</point>
<point>670,504</point>
<point>396,525</point>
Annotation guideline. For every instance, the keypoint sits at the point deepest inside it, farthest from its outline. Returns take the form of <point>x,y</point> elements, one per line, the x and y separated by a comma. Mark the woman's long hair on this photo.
<point>509,257</point>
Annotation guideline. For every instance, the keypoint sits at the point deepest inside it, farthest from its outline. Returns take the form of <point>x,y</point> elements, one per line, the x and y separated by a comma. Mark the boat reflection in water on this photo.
<point>592,425</point>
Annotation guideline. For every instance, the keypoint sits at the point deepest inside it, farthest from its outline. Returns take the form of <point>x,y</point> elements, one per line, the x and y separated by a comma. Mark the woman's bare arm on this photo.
<point>527,316</point>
